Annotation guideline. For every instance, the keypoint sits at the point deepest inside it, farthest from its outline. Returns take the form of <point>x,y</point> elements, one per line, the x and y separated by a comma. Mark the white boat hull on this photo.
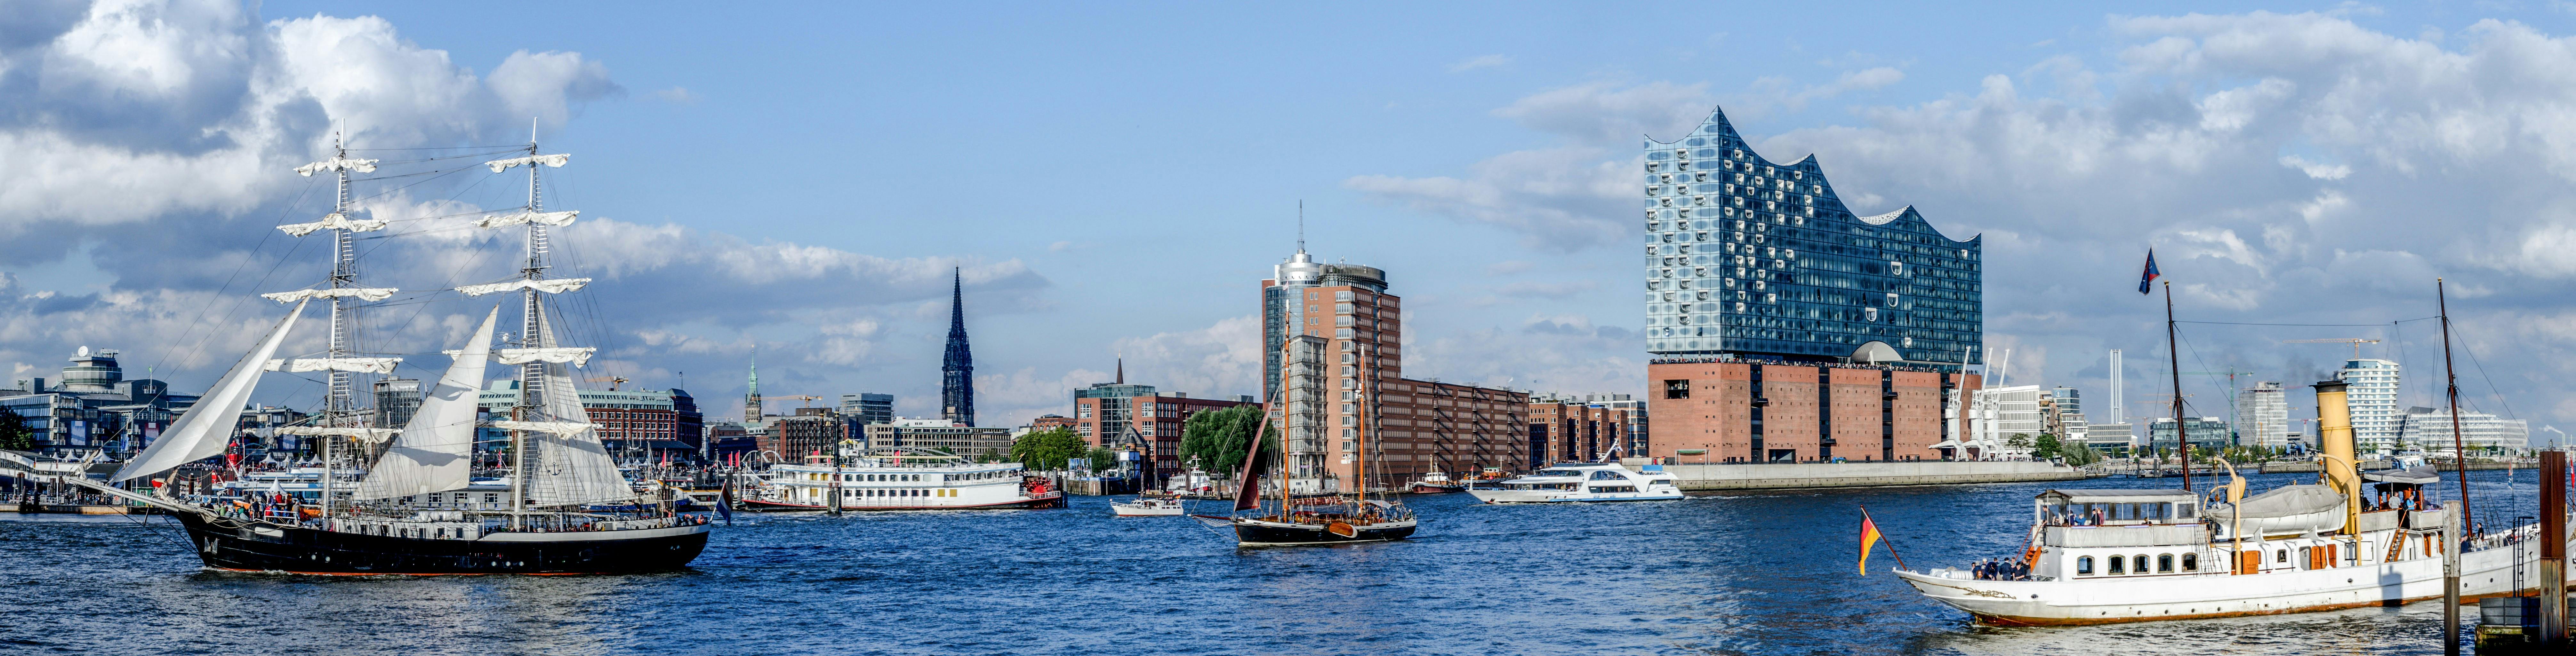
<point>1131,509</point>
<point>2109,600</point>
<point>1567,496</point>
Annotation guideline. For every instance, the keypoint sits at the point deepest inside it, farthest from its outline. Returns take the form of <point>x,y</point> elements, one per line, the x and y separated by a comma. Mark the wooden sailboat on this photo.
<point>1338,517</point>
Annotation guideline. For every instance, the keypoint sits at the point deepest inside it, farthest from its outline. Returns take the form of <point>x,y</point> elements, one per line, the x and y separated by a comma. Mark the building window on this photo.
<point>1677,389</point>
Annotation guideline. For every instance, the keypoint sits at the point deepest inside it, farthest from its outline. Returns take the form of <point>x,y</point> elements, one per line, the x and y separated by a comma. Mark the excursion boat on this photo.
<point>417,508</point>
<point>2110,556</point>
<point>1438,482</point>
<point>902,478</point>
<point>1584,482</point>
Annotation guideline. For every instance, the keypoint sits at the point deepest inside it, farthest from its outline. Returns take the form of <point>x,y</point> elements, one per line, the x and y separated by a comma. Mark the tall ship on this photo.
<point>902,478</point>
<point>1269,508</point>
<point>387,500</point>
<point>2110,556</point>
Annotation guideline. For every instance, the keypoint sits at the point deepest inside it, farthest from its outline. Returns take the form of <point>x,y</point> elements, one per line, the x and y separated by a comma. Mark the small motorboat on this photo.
<point>1148,506</point>
<point>1438,482</point>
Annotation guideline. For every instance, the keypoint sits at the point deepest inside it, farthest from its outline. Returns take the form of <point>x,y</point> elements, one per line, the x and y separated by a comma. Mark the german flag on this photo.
<point>1869,536</point>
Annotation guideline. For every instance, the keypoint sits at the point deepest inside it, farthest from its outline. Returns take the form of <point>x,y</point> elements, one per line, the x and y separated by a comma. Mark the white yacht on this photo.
<point>903,479</point>
<point>1583,482</point>
<point>1149,505</point>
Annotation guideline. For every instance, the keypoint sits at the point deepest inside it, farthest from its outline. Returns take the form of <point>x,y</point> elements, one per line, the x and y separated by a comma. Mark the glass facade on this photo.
<point>1749,257</point>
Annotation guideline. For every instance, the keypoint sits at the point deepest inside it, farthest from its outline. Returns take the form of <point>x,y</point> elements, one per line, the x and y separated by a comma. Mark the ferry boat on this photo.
<point>416,508</point>
<point>1584,482</point>
<point>903,478</point>
<point>2110,556</point>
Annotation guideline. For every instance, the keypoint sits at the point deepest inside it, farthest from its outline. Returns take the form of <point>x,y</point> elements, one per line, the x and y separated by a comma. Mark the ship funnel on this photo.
<point>2334,439</point>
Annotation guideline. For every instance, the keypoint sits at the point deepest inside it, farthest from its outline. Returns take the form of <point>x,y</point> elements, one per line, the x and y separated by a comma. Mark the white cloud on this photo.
<point>1484,61</point>
<point>678,96</point>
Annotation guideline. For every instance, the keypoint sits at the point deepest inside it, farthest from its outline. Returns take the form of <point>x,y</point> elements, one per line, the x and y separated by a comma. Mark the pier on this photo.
<point>1786,476</point>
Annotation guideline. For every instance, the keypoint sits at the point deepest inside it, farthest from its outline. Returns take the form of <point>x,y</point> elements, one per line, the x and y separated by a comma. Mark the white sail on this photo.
<point>557,219</point>
<point>555,160</point>
<point>207,427</point>
<point>334,221</point>
<point>555,427</point>
<point>367,435</point>
<point>352,365</point>
<point>574,468</point>
<point>551,286</point>
<point>435,452</point>
<point>360,293</point>
<point>341,164</point>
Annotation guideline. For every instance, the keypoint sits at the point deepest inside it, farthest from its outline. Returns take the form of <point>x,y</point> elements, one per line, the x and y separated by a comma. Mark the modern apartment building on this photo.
<point>2482,433</point>
<point>951,436</point>
<point>2263,415</point>
<point>2376,423</point>
<point>1335,362</point>
<point>1786,328</point>
<point>868,408</point>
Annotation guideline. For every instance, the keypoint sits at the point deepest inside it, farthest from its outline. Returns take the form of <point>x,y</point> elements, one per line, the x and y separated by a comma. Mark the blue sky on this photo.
<point>1116,179</point>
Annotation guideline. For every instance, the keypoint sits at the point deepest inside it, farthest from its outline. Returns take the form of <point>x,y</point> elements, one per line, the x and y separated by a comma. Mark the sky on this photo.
<point>1113,180</point>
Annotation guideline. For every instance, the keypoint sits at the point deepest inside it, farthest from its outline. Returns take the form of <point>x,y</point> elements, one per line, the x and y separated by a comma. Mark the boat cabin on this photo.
<point>2117,507</point>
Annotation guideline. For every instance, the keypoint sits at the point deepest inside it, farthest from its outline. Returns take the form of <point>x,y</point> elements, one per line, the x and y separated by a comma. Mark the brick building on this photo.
<point>1579,429</point>
<point>1336,363</point>
<point>1118,413</point>
<point>1722,411</point>
<point>808,432</point>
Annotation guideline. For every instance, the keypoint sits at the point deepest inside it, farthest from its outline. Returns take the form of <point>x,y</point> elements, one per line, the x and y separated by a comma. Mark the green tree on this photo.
<point>2046,447</point>
<point>14,433</point>
<point>1048,449</point>
<point>1219,438</point>
<point>1101,458</point>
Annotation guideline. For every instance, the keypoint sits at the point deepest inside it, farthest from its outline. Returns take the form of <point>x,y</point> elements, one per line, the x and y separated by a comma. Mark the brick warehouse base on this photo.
<point>1709,478</point>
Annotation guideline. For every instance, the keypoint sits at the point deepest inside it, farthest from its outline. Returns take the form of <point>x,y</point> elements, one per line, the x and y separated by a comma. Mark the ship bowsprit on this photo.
<point>233,545</point>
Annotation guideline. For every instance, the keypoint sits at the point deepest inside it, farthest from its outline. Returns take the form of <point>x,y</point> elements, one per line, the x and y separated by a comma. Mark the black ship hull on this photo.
<point>230,544</point>
<point>1263,533</point>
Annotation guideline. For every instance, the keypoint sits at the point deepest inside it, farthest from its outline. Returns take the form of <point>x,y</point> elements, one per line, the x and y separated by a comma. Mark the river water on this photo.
<point>1748,573</point>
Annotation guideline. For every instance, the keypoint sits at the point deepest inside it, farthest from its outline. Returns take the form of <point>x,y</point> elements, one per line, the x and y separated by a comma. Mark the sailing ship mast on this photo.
<point>2459,453</point>
<point>2182,435</point>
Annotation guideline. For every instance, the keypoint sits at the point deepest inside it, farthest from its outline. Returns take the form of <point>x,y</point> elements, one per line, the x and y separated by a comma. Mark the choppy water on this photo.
<point>1766,573</point>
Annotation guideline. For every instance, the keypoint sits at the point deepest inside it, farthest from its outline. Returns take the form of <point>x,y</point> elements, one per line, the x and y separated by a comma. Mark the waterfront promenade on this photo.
<point>1785,476</point>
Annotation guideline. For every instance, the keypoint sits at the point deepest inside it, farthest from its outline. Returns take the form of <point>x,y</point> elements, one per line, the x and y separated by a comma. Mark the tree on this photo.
<point>1048,449</point>
<point>2018,441</point>
<point>1101,458</point>
<point>14,433</point>
<point>2046,447</point>
<point>1219,438</point>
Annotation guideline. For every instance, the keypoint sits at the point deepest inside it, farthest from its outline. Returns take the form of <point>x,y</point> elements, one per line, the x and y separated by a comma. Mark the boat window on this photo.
<point>1560,472</point>
<point>2164,563</point>
<point>2183,511</point>
<point>2084,565</point>
<point>2115,565</point>
<point>1607,475</point>
<point>2281,556</point>
<point>2190,562</point>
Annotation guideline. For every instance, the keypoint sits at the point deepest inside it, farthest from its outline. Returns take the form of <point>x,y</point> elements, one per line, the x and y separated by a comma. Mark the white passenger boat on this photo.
<point>2108,556</point>
<point>1576,482</point>
<point>902,478</point>
<point>1148,505</point>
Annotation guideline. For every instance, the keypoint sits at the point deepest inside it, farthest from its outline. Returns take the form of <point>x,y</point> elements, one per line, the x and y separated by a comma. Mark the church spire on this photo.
<point>751,399</point>
<point>957,368</point>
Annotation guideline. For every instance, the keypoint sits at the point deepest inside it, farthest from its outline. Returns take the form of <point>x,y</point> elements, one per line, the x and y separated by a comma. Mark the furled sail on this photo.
<point>554,427</point>
<point>342,164</point>
<point>436,449</point>
<point>558,219</point>
<point>555,160</point>
<point>550,286</point>
<point>361,293</point>
<point>334,221</point>
<point>575,356</point>
<point>367,435</point>
<point>574,468</point>
<point>207,427</point>
<point>352,365</point>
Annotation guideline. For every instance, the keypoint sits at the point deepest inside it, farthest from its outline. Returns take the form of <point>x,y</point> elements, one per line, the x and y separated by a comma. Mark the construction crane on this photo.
<point>2356,343</point>
<point>613,381</point>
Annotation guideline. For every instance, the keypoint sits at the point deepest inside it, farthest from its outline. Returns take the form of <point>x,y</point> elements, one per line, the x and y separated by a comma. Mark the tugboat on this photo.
<point>417,509</point>
<point>1332,518</point>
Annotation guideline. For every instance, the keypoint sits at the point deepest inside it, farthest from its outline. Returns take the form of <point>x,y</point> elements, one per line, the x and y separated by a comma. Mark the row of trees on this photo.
<point>1218,439</point>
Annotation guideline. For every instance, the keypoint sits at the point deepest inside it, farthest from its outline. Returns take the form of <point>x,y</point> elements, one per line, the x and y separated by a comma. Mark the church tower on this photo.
<point>957,369</point>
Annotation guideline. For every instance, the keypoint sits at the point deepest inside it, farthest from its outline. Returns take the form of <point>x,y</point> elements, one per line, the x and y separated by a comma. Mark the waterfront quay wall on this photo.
<point>1782,476</point>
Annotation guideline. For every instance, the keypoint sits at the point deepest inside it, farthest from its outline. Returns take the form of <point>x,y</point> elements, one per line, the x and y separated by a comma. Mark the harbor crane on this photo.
<point>613,381</point>
<point>2356,343</point>
<point>808,398</point>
